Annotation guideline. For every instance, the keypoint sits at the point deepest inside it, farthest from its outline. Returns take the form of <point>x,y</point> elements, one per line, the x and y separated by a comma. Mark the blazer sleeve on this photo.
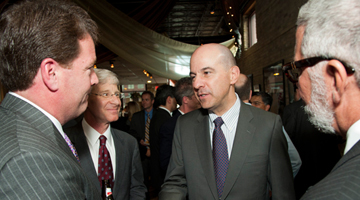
<point>280,172</point>
<point>175,186</point>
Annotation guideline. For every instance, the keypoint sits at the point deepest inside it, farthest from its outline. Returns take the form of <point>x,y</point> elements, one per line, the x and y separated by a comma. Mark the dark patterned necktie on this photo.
<point>104,164</point>
<point>220,156</point>
<point>147,126</point>
<point>72,147</point>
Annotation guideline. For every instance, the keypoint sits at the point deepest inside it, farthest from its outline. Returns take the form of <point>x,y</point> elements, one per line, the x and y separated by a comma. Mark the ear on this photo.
<point>267,107</point>
<point>234,74</point>
<point>49,73</point>
<point>335,70</point>
<point>168,100</point>
<point>185,100</point>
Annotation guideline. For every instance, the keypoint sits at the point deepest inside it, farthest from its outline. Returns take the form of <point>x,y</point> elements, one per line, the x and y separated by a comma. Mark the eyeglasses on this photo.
<point>107,94</point>
<point>293,70</point>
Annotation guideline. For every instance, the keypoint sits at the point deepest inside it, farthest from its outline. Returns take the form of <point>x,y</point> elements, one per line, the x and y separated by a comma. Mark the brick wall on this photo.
<point>275,23</point>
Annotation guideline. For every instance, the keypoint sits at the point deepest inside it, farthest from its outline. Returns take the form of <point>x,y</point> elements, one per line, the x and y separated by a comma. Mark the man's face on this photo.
<point>304,79</point>
<point>104,110</point>
<point>146,101</point>
<point>211,81</point>
<point>313,91</point>
<point>78,79</point>
<point>257,101</point>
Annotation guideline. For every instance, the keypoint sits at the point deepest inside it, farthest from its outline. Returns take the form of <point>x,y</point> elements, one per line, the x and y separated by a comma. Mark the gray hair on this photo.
<point>106,76</point>
<point>332,29</point>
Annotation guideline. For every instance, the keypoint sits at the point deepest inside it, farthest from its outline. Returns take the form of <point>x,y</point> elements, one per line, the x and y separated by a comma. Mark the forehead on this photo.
<point>106,86</point>
<point>146,96</point>
<point>256,98</point>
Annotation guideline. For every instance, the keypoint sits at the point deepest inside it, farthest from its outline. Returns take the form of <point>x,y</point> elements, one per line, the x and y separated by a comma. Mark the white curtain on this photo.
<point>140,45</point>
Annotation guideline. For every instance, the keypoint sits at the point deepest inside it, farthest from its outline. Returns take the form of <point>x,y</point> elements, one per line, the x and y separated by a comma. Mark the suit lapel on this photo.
<point>202,139</point>
<point>121,156</point>
<point>353,152</point>
<point>86,161</point>
<point>242,142</point>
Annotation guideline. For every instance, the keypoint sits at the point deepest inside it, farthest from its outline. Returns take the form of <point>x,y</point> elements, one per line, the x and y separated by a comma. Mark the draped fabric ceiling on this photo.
<point>140,45</point>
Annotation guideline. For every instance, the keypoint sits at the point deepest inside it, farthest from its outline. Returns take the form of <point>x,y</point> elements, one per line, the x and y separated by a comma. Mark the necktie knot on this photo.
<point>218,122</point>
<point>102,140</point>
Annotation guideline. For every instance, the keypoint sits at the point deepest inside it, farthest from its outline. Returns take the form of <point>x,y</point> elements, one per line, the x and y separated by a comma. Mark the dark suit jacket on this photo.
<point>157,176</point>
<point>342,182</point>
<point>258,159</point>
<point>137,129</point>
<point>129,176</point>
<point>318,151</point>
<point>35,160</point>
<point>166,139</point>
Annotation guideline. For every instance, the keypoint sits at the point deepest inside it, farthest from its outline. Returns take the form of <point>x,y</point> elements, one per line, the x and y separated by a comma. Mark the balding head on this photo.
<point>214,73</point>
<point>217,53</point>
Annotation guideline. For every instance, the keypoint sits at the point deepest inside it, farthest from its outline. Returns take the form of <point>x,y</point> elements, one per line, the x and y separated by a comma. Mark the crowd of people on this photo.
<point>220,143</point>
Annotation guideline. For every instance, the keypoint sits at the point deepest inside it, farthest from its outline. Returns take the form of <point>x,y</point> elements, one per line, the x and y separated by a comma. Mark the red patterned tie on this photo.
<point>220,156</point>
<point>104,164</point>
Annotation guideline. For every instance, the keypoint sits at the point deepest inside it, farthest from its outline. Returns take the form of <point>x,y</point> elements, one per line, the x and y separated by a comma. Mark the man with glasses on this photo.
<point>327,64</point>
<point>104,152</point>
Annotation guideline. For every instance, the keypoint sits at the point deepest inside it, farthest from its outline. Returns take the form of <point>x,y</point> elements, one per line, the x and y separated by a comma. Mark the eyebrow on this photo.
<point>202,69</point>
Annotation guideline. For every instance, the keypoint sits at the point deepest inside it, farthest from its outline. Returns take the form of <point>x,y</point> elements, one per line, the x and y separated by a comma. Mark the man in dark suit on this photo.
<point>185,97</point>
<point>47,52</point>
<point>319,151</point>
<point>228,149</point>
<point>104,105</point>
<point>138,128</point>
<point>165,98</point>
<point>327,68</point>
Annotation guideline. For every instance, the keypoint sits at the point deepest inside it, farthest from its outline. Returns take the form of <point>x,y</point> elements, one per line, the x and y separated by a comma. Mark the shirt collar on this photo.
<point>93,136</point>
<point>161,107</point>
<point>228,116</point>
<point>352,136</point>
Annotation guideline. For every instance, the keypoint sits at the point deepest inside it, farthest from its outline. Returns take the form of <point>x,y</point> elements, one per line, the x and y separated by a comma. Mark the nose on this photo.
<point>115,100</point>
<point>93,78</point>
<point>197,82</point>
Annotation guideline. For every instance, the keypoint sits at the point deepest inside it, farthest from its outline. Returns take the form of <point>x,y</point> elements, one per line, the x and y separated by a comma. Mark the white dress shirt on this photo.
<point>92,138</point>
<point>230,119</point>
<point>352,136</point>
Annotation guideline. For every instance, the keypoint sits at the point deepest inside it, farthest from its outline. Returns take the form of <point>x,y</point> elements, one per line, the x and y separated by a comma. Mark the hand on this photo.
<point>148,152</point>
<point>142,142</point>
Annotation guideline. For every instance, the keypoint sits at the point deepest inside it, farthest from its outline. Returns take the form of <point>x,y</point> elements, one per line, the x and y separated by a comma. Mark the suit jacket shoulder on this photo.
<point>36,162</point>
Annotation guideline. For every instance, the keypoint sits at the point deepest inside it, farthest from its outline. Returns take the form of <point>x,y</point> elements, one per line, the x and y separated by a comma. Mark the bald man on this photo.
<point>227,149</point>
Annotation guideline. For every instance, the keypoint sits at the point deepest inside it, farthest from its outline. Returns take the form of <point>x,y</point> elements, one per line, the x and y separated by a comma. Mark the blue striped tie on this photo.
<point>220,156</point>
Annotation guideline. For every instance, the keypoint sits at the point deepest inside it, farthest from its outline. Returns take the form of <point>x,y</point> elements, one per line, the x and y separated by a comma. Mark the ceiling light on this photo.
<point>149,81</point>
<point>232,15</point>
<point>276,74</point>
<point>231,30</point>
<point>212,12</point>
<point>111,64</point>
<point>230,7</point>
<point>228,13</point>
<point>229,23</point>
<point>95,66</point>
